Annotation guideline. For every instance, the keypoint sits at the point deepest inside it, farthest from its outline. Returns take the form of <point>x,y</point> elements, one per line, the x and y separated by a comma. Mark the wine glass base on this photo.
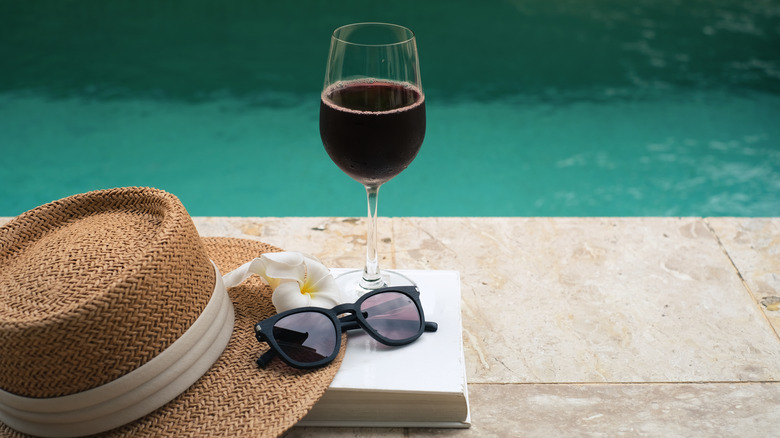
<point>349,282</point>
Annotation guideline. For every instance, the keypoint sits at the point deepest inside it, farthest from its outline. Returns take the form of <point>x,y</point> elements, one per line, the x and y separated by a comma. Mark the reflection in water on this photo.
<point>573,107</point>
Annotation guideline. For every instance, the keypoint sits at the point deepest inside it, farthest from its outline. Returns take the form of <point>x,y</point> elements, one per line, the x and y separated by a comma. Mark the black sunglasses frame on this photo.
<point>344,317</point>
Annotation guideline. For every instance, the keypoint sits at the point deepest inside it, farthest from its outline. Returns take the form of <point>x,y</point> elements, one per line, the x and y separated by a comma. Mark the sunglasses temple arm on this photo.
<point>430,326</point>
<point>263,360</point>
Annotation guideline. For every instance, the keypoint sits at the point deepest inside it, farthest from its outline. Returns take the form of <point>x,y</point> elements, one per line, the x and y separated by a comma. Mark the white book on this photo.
<point>422,384</point>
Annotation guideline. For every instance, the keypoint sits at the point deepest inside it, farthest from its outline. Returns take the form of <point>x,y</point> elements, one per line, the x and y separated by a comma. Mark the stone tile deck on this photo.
<point>586,326</point>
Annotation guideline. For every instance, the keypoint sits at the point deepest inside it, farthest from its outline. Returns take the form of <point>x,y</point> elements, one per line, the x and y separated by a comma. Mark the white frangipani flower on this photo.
<point>297,280</point>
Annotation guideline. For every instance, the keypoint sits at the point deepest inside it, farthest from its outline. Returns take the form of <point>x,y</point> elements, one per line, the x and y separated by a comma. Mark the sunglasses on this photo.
<point>309,337</point>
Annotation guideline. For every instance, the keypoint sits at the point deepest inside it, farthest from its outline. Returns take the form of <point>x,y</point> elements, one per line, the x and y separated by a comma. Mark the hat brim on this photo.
<point>235,397</point>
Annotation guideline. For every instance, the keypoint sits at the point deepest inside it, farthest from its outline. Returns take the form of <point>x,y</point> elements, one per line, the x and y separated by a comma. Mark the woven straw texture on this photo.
<point>80,272</point>
<point>234,398</point>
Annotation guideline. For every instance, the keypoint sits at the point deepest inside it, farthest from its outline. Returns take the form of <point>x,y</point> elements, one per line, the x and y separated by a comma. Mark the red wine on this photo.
<point>372,130</point>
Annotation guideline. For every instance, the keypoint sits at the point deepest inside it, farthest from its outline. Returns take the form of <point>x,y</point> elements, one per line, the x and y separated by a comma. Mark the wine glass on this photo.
<point>372,120</point>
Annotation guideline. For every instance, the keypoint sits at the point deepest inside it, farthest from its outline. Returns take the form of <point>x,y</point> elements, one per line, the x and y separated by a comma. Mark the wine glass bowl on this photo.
<point>372,113</point>
<point>372,131</point>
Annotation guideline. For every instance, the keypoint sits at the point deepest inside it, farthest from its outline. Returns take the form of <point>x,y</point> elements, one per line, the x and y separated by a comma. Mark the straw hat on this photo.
<point>112,318</point>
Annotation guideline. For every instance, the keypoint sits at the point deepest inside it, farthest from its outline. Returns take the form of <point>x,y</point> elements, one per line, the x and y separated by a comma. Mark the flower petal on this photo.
<point>284,266</point>
<point>288,296</point>
<point>326,300</point>
<point>326,292</point>
<point>316,270</point>
<point>297,280</point>
<point>285,257</point>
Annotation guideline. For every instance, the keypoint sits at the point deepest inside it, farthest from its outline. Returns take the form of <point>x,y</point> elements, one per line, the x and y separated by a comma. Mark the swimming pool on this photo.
<point>535,108</point>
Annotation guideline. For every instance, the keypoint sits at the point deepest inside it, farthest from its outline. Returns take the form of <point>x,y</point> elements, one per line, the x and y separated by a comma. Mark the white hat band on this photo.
<point>135,394</point>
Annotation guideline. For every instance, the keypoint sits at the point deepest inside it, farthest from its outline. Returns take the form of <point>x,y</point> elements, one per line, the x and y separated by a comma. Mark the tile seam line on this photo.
<point>681,382</point>
<point>745,284</point>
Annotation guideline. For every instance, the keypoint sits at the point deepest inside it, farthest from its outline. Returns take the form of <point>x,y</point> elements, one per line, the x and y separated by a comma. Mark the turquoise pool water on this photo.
<point>535,108</point>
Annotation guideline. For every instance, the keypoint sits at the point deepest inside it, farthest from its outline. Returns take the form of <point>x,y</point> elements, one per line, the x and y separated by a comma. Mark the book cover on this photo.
<point>422,384</point>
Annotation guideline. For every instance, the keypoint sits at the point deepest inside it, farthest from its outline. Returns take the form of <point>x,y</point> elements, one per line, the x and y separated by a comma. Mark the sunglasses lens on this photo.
<point>306,337</point>
<point>393,315</point>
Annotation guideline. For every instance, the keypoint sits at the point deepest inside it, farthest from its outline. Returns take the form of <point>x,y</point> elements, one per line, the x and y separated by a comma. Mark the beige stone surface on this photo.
<point>620,410</point>
<point>594,327</point>
<point>603,410</point>
<point>595,300</point>
<point>567,299</point>
<point>753,245</point>
<point>338,242</point>
<point>587,326</point>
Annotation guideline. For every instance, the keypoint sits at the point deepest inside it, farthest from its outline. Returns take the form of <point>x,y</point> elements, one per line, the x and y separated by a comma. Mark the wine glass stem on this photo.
<point>372,278</point>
